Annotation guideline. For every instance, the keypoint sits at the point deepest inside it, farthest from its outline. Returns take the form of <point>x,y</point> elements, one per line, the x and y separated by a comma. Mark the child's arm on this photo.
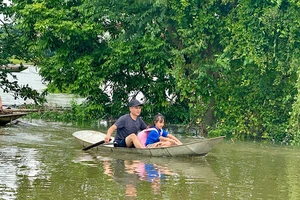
<point>174,138</point>
<point>170,138</point>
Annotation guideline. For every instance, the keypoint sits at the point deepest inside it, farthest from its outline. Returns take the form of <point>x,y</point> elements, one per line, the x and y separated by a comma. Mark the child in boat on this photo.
<point>160,137</point>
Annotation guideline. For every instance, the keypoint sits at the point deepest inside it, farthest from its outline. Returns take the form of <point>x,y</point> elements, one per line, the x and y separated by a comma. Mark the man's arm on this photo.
<point>143,125</point>
<point>109,132</point>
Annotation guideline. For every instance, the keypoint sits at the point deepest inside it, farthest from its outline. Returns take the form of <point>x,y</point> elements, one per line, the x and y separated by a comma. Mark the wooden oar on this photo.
<point>94,145</point>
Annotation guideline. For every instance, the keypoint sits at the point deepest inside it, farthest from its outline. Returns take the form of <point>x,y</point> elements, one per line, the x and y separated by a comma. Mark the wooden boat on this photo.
<point>198,147</point>
<point>14,67</point>
<point>6,118</point>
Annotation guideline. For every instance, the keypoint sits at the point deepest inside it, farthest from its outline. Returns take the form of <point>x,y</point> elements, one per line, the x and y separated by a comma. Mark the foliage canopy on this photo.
<point>225,66</point>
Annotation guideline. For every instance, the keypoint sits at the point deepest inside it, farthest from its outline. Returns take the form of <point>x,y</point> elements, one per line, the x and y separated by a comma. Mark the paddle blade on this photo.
<point>94,145</point>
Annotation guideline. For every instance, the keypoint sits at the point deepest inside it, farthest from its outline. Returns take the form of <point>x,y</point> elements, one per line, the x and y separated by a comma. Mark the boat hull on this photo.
<point>7,118</point>
<point>199,147</point>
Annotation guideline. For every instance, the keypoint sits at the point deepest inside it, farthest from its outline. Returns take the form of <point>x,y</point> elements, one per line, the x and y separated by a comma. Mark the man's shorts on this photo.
<point>120,143</point>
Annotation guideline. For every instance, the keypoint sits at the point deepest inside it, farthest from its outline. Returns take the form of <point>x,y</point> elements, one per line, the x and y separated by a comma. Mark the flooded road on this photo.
<point>41,160</point>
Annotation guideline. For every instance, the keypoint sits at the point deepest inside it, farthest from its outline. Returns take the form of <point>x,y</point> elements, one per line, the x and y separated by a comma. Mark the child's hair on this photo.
<point>158,117</point>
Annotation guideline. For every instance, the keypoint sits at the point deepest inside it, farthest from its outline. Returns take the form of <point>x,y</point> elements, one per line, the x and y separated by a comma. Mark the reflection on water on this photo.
<point>259,171</point>
<point>41,160</point>
<point>23,167</point>
<point>136,170</point>
<point>128,173</point>
<point>17,164</point>
<point>152,172</point>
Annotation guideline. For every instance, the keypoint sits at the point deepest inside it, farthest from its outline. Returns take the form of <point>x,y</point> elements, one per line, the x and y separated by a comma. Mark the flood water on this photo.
<point>41,160</point>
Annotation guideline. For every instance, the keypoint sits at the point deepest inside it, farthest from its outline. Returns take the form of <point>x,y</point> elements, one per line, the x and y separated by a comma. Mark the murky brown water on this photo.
<point>41,160</point>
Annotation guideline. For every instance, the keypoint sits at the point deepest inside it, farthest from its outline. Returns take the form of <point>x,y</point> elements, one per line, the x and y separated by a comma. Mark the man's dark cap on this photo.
<point>135,102</point>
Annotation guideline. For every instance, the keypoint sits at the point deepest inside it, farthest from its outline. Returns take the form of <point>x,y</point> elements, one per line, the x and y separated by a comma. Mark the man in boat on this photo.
<point>127,127</point>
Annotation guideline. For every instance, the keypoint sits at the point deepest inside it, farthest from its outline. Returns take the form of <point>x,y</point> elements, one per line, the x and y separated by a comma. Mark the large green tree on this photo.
<point>223,65</point>
<point>11,46</point>
<point>164,50</point>
<point>259,90</point>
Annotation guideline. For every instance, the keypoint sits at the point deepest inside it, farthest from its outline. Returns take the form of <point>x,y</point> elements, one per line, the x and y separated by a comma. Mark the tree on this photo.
<point>222,64</point>
<point>11,46</point>
<point>262,53</point>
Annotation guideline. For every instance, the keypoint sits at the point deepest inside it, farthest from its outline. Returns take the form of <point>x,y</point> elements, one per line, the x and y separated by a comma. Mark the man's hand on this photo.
<point>107,139</point>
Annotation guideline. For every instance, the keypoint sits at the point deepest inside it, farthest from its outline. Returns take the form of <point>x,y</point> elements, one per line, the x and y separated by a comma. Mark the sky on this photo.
<point>7,2</point>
